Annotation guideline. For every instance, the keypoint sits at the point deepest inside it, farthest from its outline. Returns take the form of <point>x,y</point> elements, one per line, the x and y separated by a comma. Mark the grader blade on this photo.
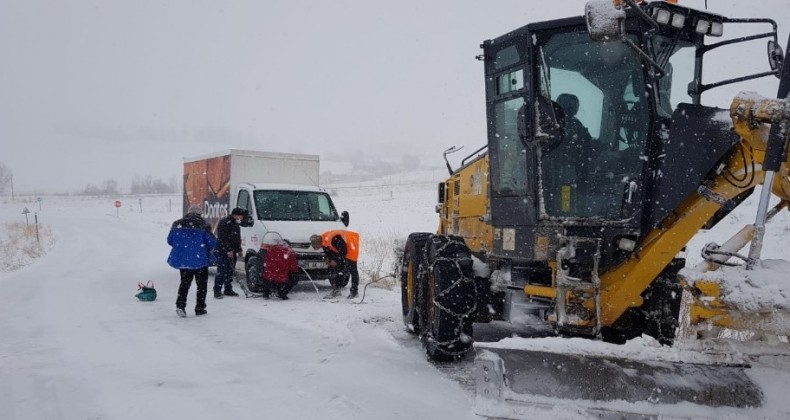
<point>513,377</point>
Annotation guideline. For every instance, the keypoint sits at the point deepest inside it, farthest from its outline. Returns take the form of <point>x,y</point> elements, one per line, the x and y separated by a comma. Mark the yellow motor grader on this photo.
<point>601,165</point>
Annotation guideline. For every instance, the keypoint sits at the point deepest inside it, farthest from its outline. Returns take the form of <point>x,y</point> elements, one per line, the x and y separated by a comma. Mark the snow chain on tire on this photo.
<point>412,255</point>
<point>443,302</point>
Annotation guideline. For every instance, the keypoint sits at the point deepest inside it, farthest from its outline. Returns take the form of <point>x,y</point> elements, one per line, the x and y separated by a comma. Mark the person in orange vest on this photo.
<point>341,248</point>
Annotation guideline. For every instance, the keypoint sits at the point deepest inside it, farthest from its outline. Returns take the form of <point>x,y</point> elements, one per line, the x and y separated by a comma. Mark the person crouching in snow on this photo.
<point>192,243</point>
<point>279,265</point>
<point>341,248</point>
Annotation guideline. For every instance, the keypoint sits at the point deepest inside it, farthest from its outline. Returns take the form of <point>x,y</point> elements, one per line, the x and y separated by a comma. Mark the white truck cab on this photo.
<point>295,212</point>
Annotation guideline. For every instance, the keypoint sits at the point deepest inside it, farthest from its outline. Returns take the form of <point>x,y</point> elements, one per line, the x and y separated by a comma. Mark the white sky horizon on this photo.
<point>97,90</point>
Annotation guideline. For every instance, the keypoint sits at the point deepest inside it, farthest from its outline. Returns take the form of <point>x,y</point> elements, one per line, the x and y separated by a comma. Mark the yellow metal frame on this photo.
<point>622,287</point>
<point>466,209</point>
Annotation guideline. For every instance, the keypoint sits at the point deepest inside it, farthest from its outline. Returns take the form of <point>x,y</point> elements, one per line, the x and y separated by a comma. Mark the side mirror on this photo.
<point>345,218</point>
<point>551,123</point>
<point>603,20</point>
<point>775,57</point>
<point>247,221</point>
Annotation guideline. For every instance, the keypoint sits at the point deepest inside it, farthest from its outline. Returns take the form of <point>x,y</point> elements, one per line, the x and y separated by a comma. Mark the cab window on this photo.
<point>597,92</point>
<point>243,201</point>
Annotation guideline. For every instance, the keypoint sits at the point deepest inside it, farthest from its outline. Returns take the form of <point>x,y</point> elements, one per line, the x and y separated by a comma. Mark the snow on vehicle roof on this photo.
<point>285,187</point>
<point>254,153</point>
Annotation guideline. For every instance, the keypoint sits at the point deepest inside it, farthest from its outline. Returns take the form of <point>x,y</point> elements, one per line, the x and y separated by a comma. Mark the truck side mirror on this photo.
<point>551,123</point>
<point>344,217</point>
<point>247,221</point>
<point>775,57</point>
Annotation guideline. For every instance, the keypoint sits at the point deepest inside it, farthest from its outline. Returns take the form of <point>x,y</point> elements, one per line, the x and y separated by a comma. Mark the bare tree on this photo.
<point>175,183</point>
<point>6,177</point>
<point>151,185</point>
<point>109,187</point>
<point>91,189</point>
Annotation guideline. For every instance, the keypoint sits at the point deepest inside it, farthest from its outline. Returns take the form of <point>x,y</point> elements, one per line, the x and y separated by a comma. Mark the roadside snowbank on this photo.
<point>22,244</point>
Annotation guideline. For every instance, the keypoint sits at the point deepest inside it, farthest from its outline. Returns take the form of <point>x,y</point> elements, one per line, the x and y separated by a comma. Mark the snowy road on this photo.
<point>76,345</point>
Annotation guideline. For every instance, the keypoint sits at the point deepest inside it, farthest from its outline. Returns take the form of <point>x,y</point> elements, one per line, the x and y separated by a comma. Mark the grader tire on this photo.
<point>451,299</point>
<point>410,281</point>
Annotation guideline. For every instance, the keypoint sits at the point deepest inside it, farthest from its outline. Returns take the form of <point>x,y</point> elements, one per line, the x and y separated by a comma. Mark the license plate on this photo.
<point>313,265</point>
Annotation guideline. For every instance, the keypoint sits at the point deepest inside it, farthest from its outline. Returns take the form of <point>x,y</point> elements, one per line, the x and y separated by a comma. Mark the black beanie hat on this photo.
<point>238,211</point>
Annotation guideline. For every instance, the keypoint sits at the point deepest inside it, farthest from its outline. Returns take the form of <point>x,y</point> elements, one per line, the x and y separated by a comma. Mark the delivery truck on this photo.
<point>281,193</point>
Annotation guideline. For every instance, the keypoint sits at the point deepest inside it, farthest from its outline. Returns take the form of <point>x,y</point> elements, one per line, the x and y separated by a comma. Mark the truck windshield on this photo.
<point>294,205</point>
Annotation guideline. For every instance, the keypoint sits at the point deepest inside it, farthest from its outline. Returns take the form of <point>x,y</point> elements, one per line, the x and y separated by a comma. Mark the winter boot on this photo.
<point>230,292</point>
<point>218,295</point>
<point>333,294</point>
<point>199,312</point>
<point>352,295</point>
<point>181,313</point>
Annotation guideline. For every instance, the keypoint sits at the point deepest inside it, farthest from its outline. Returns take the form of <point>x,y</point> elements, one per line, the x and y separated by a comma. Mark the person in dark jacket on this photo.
<point>228,247</point>
<point>341,248</point>
<point>192,243</point>
<point>279,266</point>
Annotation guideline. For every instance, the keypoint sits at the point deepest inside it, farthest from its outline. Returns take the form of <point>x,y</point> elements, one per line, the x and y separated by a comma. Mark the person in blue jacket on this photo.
<point>192,243</point>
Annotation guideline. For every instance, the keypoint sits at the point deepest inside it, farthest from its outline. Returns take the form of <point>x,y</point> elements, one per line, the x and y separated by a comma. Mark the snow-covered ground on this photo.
<point>76,344</point>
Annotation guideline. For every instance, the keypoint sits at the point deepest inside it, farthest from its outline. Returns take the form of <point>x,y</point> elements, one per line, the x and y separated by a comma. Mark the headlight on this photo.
<point>702,26</point>
<point>662,16</point>
<point>678,19</point>
<point>716,28</point>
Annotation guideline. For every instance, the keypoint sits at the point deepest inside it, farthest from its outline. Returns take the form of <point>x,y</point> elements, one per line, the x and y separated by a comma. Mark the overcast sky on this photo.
<point>96,90</point>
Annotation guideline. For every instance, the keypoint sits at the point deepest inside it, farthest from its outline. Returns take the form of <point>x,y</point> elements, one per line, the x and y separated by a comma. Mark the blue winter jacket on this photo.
<point>192,243</point>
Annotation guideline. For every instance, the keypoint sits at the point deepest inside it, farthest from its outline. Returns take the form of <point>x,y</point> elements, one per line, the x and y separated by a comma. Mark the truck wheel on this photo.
<point>658,315</point>
<point>451,298</point>
<point>409,280</point>
<point>252,269</point>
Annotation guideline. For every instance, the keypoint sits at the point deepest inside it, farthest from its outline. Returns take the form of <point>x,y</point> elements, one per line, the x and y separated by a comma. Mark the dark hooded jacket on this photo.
<point>228,235</point>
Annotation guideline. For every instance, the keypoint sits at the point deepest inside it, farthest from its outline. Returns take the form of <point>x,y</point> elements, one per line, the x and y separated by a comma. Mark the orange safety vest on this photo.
<point>349,236</point>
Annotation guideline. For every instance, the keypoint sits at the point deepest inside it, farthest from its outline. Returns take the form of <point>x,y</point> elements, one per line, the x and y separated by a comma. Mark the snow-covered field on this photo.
<point>76,344</point>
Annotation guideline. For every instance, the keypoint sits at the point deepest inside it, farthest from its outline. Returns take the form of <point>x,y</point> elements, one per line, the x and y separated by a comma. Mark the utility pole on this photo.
<point>12,187</point>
